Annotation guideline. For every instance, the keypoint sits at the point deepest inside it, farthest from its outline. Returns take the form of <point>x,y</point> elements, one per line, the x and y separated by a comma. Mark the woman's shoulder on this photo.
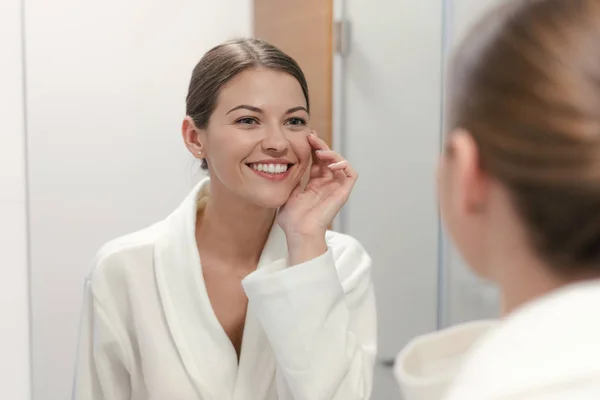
<point>125,254</point>
<point>428,363</point>
<point>549,341</point>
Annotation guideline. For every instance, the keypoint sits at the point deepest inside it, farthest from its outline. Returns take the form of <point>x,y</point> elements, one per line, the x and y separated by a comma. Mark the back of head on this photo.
<point>526,85</point>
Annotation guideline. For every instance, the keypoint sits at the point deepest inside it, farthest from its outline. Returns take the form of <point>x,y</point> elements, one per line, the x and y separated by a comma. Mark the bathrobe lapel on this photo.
<point>203,346</point>
<point>257,362</point>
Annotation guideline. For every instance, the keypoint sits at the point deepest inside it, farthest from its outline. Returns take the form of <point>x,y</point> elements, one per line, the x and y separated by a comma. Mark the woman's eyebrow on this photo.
<point>258,110</point>
<point>294,109</point>
<point>247,107</point>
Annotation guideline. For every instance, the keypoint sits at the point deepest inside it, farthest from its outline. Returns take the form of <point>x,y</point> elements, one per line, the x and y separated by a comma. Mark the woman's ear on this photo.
<point>191,137</point>
<point>471,183</point>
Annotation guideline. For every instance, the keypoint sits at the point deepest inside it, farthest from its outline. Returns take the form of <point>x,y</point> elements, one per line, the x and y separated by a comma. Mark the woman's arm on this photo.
<point>101,372</point>
<point>320,319</point>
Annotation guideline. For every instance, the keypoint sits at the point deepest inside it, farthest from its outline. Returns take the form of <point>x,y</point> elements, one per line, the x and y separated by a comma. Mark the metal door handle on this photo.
<point>387,363</point>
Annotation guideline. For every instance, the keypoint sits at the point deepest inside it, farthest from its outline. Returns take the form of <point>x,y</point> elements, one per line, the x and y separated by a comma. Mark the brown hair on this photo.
<point>220,64</point>
<point>526,85</point>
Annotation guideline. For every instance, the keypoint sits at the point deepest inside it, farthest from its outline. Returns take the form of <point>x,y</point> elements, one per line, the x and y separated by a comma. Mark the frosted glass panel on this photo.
<point>392,82</point>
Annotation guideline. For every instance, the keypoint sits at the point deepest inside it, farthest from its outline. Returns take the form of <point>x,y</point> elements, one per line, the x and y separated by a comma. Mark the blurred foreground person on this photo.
<point>519,187</point>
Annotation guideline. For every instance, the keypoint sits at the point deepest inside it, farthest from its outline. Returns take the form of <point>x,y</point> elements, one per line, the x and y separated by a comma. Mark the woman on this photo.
<point>241,293</point>
<point>519,187</point>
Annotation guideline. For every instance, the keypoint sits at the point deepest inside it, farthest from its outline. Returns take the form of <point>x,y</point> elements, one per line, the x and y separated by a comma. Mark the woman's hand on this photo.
<point>310,211</point>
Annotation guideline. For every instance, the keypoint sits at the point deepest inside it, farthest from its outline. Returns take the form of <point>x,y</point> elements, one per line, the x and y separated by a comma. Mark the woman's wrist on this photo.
<point>305,247</point>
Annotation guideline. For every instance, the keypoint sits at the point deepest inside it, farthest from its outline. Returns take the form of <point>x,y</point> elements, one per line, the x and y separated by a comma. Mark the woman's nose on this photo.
<point>275,140</point>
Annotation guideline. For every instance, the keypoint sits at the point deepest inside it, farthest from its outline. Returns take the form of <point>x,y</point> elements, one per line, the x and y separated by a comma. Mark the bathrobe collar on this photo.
<point>204,347</point>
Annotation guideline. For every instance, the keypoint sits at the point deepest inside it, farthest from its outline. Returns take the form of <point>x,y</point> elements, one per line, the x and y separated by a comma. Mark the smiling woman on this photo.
<point>247,99</point>
<point>228,60</point>
<point>241,293</point>
<point>260,119</point>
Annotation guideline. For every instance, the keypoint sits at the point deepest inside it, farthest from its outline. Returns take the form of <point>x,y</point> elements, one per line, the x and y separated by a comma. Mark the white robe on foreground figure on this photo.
<point>149,332</point>
<point>548,349</point>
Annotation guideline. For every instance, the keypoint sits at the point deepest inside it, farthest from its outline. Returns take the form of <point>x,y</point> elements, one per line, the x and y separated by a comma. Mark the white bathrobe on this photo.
<point>549,349</point>
<point>149,331</point>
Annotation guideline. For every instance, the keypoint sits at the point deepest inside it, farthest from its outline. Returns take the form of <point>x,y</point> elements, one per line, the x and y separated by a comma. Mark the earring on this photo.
<point>199,152</point>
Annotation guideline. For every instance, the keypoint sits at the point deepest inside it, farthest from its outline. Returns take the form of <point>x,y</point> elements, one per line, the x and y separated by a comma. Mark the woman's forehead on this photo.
<point>263,88</point>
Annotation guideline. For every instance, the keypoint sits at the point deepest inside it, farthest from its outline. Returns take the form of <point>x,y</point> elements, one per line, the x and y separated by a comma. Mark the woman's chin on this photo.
<point>272,203</point>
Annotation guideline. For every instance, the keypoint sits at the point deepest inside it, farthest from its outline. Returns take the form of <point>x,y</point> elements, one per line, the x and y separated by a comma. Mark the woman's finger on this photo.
<point>347,168</point>
<point>335,162</point>
<point>340,176</point>
<point>339,166</point>
<point>316,142</point>
<point>316,145</point>
<point>329,155</point>
<point>316,171</point>
<point>350,176</point>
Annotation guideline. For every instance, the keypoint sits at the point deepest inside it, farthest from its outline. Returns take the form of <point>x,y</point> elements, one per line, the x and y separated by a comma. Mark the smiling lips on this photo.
<point>272,170</point>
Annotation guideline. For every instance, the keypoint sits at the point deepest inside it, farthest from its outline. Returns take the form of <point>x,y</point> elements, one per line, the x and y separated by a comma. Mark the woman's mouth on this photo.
<point>271,171</point>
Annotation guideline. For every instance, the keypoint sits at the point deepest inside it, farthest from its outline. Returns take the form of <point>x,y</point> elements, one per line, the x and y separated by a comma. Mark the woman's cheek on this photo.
<point>302,149</point>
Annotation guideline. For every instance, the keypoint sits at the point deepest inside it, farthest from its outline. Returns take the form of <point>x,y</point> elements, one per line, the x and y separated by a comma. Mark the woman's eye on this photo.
<point>247,121</point>
<point>297,121</point>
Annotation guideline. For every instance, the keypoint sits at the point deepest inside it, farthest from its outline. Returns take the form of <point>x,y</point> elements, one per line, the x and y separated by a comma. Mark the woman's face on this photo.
<point>256,141</point>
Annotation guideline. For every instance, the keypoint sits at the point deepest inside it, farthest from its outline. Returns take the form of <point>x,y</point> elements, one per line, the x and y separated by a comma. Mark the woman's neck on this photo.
<point>528,282</point>
<point>527,278</point>
<point>233,229</point>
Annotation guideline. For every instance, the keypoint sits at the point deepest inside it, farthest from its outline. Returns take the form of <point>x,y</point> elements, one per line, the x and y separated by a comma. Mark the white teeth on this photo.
<point>271,168</point>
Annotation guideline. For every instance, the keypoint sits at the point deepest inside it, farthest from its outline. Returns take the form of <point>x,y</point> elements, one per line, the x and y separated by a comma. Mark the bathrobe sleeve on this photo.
<point>320,320</point>
<point>101,368</point>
